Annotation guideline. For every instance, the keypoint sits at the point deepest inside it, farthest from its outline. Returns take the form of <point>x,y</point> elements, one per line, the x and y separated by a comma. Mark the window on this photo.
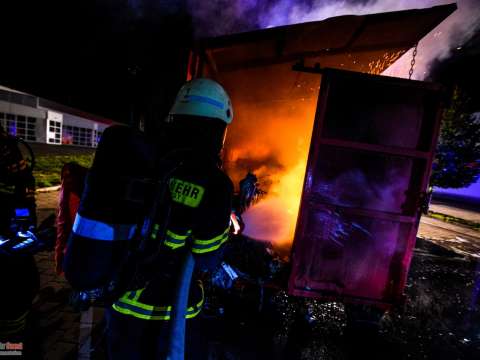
<point>97,135</point>
<point>19,125</point>
<point>74,135</point>
<point>55,129</point>
<point>31,124</point>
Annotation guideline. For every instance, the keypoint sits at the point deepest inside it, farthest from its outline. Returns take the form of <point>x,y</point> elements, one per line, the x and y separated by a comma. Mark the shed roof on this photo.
<point>366,43</point>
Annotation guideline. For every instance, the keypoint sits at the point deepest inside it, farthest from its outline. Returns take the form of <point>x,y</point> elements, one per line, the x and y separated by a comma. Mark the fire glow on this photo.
<point>272,140</point>
<point>274,218</point>
<point>275,109</point>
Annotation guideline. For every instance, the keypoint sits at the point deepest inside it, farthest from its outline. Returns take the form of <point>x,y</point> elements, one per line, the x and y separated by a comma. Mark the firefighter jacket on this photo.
<point>199,222</point>
<point>112,206</point>
<point>118,197</point>
<point>18,273</point>
<point>17,184</point>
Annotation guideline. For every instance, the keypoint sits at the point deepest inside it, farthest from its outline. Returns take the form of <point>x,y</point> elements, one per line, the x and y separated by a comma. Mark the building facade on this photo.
<point>39,120</point>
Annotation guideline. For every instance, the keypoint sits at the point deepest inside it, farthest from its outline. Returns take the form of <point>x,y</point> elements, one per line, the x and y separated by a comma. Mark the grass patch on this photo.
<point>48,167</point>
<point>454,220</point>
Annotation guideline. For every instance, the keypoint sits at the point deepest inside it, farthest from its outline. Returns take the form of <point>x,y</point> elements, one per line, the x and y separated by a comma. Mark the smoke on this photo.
<point>441,42</point>
<point>291,12</point>
<point>273,140</point>
<point>220,17</point>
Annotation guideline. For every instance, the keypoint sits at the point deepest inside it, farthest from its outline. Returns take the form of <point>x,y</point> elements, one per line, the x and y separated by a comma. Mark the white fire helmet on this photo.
<point>203,97</point>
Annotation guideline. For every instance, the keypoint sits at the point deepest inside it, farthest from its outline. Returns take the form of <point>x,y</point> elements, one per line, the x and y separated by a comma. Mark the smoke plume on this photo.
<point>274,142</point>
<point>441,42</point>
<point>291,12</point>
<point>220,17</point>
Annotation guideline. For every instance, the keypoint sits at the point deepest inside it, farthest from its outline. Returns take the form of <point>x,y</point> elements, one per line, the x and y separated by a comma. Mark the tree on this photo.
<point>457,162</point>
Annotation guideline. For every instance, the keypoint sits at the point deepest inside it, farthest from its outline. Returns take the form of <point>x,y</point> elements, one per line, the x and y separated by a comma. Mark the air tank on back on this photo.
<point>112,206</point>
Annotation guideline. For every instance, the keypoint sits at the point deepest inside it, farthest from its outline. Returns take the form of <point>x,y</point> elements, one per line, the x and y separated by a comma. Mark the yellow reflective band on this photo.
<point>197,250</point>
<point>9,327</point>
<point>151,317</point>
<point>18,320</point>
<point>149,312</point>
<point>173,246</point>
<point>135,302</point>
<point>176,241</point>
<point>132,295</point>
<point>137,294</point>
<point>140,316</point>
<point>152,308</point>
<point>186,193</point>
<point>156,227</point>
<point>215,239</point>
<point>178,237</point>
<point>204,246</point>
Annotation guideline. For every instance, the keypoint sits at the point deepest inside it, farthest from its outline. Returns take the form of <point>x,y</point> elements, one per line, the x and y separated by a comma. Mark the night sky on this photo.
<point>125,59</point>
<point>118,58</point>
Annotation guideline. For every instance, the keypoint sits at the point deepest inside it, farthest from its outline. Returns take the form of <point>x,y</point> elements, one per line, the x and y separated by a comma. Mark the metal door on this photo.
<point>369,163</point>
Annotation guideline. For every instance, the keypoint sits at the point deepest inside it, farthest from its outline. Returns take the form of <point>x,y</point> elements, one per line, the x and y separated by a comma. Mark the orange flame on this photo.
<point>270,136</point>
<point>235,223</point>
<point>274,218</point>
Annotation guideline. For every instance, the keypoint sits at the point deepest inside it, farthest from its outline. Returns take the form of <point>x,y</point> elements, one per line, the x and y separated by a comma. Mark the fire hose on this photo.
<point>176,342</point>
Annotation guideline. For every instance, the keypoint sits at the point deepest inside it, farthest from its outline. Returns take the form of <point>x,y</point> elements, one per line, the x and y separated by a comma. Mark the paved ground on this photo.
<point>46,204</point>
<point>61,332</point>
<point>457,238</point>
<point>456,212</point>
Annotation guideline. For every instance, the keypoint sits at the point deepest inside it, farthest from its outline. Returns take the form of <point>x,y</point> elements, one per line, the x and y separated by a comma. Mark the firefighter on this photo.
<point>199,222</point>
<point>16,176</point>
<point>73,179</point>
<point>19,275</point>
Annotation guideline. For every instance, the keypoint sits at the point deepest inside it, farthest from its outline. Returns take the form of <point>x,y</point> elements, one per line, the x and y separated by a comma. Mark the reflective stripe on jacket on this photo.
<point>199,221</point>
<point>15,326</point>
<point>100,230</point>
<point>175,241</point>
<point>129,304</point>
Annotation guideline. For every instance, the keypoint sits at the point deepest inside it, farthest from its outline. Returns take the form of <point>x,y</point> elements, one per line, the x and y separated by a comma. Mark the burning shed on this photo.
<point>276,110</point>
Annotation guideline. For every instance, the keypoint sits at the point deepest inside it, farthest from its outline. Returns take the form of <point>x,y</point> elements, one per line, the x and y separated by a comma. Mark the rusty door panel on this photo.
<point>369,163</point>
